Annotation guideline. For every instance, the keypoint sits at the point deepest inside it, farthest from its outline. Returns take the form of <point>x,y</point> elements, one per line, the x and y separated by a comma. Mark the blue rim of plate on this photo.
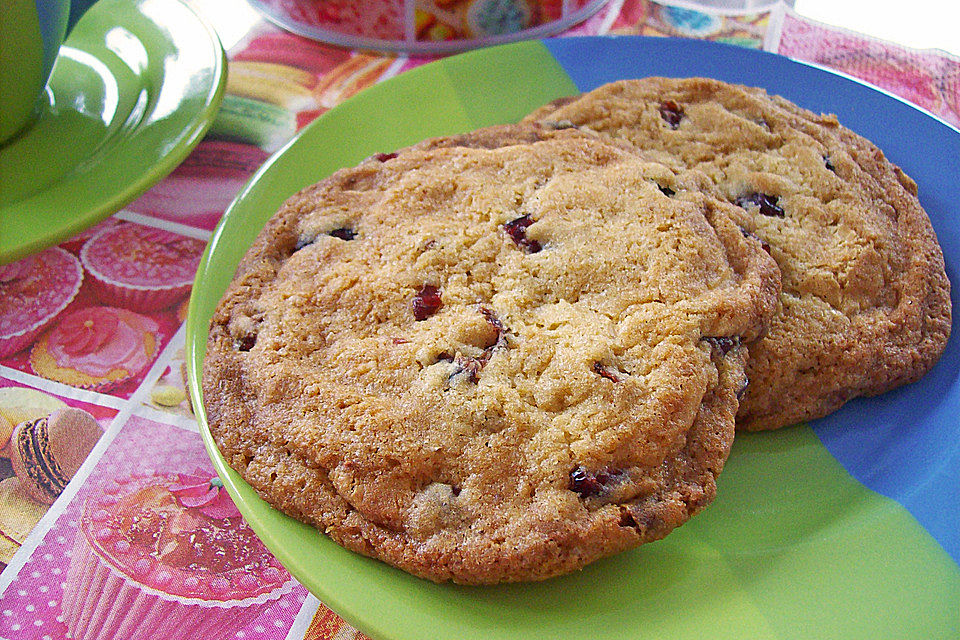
<point>900,450</point>
<point>179,99</point>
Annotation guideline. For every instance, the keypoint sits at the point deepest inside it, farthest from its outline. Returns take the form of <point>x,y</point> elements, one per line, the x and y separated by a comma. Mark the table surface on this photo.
<point>278,84</point>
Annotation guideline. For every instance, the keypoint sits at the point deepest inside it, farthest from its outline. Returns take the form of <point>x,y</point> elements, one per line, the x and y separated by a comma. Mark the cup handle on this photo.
<point>77,9</point>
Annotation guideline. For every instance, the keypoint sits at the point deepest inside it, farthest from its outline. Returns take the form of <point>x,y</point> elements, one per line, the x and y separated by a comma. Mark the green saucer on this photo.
<point>136,86</point>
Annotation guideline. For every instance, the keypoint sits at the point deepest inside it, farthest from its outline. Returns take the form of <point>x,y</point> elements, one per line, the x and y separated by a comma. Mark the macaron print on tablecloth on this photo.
<point>99,444</point>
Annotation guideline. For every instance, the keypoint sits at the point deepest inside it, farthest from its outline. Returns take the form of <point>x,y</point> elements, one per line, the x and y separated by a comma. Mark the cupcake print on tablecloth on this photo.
<point>97,316</point>
<point>152,554</point>
<point>141,268</point>
<point>164,556</point>
<point>45,440</point>
<point>96,348</point>
<point>35,291</point>
<point>74,244</point>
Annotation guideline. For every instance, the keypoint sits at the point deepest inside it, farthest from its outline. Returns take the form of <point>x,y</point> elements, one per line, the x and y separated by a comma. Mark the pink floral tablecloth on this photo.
<point>132,344</point>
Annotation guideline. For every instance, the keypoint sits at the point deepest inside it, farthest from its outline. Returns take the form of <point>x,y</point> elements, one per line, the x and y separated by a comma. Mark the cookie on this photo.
<point>866,301</point>
<point>489,364</point>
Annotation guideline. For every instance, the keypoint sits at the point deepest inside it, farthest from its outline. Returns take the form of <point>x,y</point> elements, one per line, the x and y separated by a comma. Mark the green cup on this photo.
<point>31,32</point>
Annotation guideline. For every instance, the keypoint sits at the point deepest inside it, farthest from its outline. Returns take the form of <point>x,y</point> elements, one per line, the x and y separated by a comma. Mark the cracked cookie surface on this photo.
<point>866,300</point>
<point>489,364</point>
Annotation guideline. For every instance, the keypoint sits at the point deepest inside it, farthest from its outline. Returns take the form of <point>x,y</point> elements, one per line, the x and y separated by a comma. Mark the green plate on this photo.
<point>793,547</point>
<point>136,86</point>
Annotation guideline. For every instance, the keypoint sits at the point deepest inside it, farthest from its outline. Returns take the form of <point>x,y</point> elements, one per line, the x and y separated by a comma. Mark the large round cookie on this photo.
<point>488,365</point>
<point>866,301</point>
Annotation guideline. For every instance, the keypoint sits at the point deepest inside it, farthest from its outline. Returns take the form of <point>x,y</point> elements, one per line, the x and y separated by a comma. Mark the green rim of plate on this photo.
<point>769,559</point>
<point>150,75</point>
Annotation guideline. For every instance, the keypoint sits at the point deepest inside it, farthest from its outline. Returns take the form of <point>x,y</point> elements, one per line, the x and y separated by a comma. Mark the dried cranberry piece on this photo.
<point>605,372</point>
<point>344,233</point>
<point>769,205</point>
<point>723,343</point>
<point>672,113</point>
<point>245,342</point>
<point>427,302</point>
<point>517,230</point>
<point>383,157</point>
<point>585,483</point>
<point>589,483</point>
